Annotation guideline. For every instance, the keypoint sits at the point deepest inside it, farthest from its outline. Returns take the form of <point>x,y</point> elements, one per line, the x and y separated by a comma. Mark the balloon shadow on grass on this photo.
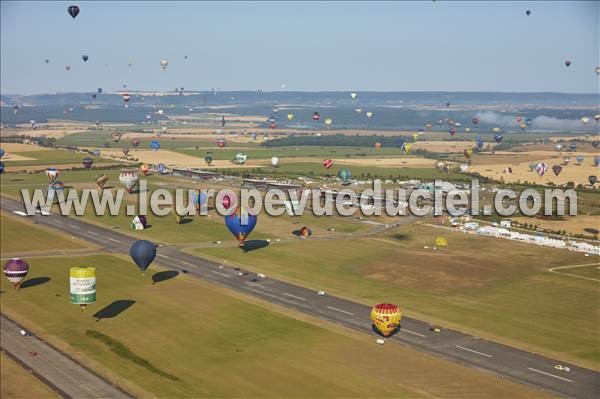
<point>162,276</point>
<point>32,282</point>
<point>253,245</point>
<point>591,230</point>
<point>114,309</point>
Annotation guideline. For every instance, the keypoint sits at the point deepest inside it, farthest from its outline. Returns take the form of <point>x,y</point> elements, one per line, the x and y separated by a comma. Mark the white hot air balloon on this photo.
<point>328,121</point>
<point>369,114</point>
<point>585,120</point>
<point>129,178</point>
<point>353,95</point>
<point>274,161</point>
<point>163,64</point>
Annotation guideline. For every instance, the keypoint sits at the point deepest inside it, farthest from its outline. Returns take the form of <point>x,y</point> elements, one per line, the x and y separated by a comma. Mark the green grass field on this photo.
<point>185,338</point>
<point>19,383</point>
<point>493,287</point>
<point>52,157</point>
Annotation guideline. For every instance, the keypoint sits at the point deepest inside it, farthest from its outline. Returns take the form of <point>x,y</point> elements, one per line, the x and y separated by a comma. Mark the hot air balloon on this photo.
<point>541,168</point>
<point>1,167</point>
<point>345,176</point>
<point>377,146</point>
<point>143,253</point>
<point>226,202</point>
<point>523,126</point>
<point>596,161</point>
<point>441,242</point>
<point>55,189</point>
<point>240,223</point>
<point>585,120</point>
<point>316,116</point>
<point>221,142</point>
<point>558,147</point>
<point>468,152</point>
<point>73,11</point>
<point>406,147</point>
<point>592,179</point>
<point>452,131</point>
<point>566,160</point>
<point>328,121</point>
<point>528,12</point>
<point>47,60</point>
<point>507,170</point>
<point>85,58</point>
<point>240,158</point>
<point>353,95</point>
<point>68,67</point>
<point>129,179</point>
<point>154,145</point>
<point>290,117</point>
<point>595,143</point>
<point>208,159</point>
<point>126,98</point>
<point>272,125</point>
<point>274,161</point>
<point>87,162</point>
<point>567,63</point>
<point>101,181</point>
<point>327,163</point>
<point>197,198</point>
<point>556,169</point>
<point>52,174</point>
<point>369,114</point>
<point>386,318</point>
<point>442,166</point>
<point>135,142</point>
<point>304,232</point>
<point>479,142</point>
<point>2,152</point>
<point>15,271</point>
<point>597,117</point>
<point>467,130</point>
<point>82,286</point>
<point>116,136</point>
<point>358,110</point>
<point>163,64</point>
<point>579,160</point>
<point>447,105</point>
<point>125,151</point>
<point>161,168</point>
<point>144,168</point>
<point>597,70</point>
<point>498,137</point>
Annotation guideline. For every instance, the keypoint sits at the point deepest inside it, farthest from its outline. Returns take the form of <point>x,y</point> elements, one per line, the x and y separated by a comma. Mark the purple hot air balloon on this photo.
<point>87,162</point>
<point>15,271</point>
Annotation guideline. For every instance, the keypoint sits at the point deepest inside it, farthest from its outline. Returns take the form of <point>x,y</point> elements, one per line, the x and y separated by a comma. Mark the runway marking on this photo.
<point>474,351</point>
<point>554,270</point>
<point>20,213</point>
<point>412,332</point>
<point>92,233</point>
<point>551,375</point>
<point>257,285</point>
<point>185,263</point>
<point>58,221</point>
<point>340,310</point>
<point>112,239</point>
<point>294,296</point>
<point>75,227</point>
<point>220,274</point>
<point>163,256</point>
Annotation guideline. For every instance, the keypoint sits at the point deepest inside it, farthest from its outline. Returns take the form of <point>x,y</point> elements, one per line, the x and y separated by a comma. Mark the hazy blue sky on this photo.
<point>389,46</point>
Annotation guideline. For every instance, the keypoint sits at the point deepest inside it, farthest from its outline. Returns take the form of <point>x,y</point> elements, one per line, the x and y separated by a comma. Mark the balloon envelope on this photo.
<point>73,11</point>
<point>241,223</point>
<point>386,318</point>
<point>15,271</point>
<point>143,253</point>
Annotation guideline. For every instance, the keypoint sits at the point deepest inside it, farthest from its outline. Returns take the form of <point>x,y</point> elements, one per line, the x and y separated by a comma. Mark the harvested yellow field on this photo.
<point>175,159</point>
<point>383,162</point>
<point>571,224</point>
<point>17,147</point>
<point>444,146</point>
<point>520,171</point>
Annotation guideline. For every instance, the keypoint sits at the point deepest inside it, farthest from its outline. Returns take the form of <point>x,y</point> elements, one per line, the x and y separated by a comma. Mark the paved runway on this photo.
<point>63,374</point>
<point>505,361</point>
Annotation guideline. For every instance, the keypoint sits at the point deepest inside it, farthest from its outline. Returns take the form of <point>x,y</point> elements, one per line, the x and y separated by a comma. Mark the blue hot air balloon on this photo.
<point>197,198</point>
<point>241,223</point>
<point>528,121</point>
<point>596,161</point>
<point>143,253</point>
<point>479,142</point>
<point>498,137</point>
<point>154,145</point>
<point>1,167</point>
<point>345,176</point>
<point>2,152</point>
<point>161,168</point>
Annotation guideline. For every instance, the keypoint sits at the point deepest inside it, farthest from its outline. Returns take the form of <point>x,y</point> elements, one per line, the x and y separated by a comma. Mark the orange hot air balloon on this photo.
<point>144,169</point>
<point>377,146</point>
<point>386,318</point>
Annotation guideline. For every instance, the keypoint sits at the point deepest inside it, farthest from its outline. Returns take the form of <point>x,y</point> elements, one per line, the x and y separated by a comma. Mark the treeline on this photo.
<point>339,140</point>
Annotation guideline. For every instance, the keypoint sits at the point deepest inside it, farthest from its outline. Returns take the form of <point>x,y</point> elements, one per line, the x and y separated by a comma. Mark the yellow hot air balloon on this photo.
<point>496,129</point>
<point>328,121</point>
<point>415,136</point>
<point>468,152</point>
<point>441,242</point>
<point>290,117</point>
<point>377,146</point>
<point>406,147</point>
<point>386,318</point>
<point>523,125</point>
<point>82,282</point>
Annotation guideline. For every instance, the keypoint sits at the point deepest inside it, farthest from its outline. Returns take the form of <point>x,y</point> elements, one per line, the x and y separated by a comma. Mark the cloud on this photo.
<point>541,122</point>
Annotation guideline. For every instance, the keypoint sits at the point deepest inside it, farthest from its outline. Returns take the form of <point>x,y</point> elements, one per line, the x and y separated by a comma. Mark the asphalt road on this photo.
<point>504,361</point>
<point>64,375</point>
